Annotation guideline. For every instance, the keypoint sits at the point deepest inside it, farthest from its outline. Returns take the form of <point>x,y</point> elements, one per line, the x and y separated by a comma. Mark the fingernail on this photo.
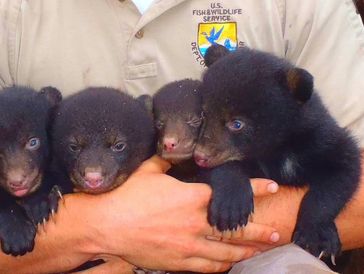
<point>274,237</point>
<point>213,238</point>
<point>273,187</point>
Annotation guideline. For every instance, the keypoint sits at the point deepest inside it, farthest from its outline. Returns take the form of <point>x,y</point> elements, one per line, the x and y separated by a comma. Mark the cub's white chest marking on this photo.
<point>289,168</point>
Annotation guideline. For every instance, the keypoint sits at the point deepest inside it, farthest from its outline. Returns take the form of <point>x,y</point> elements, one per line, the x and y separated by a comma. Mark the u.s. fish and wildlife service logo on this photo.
<point>223,33</point>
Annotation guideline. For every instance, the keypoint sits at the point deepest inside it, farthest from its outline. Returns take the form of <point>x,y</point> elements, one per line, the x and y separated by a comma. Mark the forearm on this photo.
<point>151,212</point>
<point>280,211</point>
<point>350,221</point>
<point>64,244</point>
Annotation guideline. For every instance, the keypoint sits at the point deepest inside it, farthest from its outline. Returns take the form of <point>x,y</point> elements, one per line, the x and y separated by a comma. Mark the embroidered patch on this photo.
<point>224,34</point>
<point>217,25</point>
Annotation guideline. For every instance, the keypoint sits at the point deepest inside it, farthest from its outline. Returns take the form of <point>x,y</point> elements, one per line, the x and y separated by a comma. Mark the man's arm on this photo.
<point>280,211</point>
<point>152,221</point>
<point>91,225</point>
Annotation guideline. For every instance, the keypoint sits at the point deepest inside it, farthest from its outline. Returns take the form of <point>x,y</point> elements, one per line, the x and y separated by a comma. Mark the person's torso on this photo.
<point>74,44</point>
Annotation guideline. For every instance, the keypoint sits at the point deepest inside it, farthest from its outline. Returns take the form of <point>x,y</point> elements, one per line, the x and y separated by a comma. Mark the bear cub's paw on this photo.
<point>41,206</point>
<point>230,211</point>
<point>320,240</point>
<point>17,232</point>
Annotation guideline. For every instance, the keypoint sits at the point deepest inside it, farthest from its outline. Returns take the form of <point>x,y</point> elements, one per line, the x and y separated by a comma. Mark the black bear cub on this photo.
<point>25,197</point>
<point>263,119</point>
<point>99,137</point>
<point>177,109</point>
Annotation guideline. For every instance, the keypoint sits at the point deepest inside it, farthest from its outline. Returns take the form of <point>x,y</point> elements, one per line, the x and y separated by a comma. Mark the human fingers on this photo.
<point>260,233</point>
<point>253,232</point>
<point>154,164</point>
<point>263,187</point>
<point>222,251</point>
<point>113,266</point>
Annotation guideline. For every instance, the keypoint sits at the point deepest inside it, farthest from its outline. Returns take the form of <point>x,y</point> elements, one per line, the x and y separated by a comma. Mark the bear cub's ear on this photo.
<point>214,53</point>
<point>300,83</point>
<point>53,95</point>
<point>147,101</point>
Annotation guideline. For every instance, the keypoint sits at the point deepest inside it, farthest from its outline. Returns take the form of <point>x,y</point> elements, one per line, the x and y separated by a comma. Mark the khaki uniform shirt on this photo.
<point>74,44</point>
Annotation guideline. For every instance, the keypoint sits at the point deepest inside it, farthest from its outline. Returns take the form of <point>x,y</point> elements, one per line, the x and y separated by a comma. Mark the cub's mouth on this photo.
<point>175,157</point>
<point>181,152</point>
<point>26,185</point>
<point>95,182</point>
<point>205,160</point>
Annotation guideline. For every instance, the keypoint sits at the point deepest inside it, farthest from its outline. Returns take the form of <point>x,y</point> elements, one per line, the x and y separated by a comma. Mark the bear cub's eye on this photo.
<point>235,125</point>
<point>118,147</point>
<point>74,147</point>
<point>159,124</point>
<point>33,143</point>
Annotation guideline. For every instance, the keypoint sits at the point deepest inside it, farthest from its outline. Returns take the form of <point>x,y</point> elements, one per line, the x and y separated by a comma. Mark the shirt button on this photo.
<point>139,34</point>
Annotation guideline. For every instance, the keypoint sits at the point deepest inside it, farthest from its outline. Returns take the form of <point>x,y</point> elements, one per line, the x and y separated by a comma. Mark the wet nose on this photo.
<point>93,179</point>
<point>170,144</point>
<point>201,159</point>
<point>16,183</point>
<point>16,179</point>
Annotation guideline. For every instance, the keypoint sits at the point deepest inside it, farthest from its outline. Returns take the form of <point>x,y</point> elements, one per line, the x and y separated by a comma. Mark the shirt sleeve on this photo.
<point>327,39</point>
<point>9,19</point>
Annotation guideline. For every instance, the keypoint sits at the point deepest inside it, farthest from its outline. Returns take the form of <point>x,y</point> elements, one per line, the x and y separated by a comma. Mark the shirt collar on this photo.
<point>142,5</point>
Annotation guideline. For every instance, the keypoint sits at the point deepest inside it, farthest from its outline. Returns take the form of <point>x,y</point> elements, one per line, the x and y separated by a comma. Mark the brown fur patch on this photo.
<point>293,79</point>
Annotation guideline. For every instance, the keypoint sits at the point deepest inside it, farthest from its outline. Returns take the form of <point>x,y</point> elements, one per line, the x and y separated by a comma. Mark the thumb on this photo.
<point>154,164</point>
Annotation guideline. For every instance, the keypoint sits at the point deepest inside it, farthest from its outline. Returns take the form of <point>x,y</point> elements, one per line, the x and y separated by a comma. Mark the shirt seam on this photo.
<point>356,23</point>
<point>14,14</point>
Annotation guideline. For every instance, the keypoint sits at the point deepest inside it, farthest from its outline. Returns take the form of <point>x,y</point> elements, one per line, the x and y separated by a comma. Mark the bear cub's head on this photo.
<point>252,102</point>
<point>25,116</point>
<point>101,135</point>
<point>177,109</point>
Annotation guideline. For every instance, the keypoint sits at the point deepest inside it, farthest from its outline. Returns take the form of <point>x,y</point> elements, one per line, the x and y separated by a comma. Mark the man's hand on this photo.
<point>112,265</point>
<point>280,211</point>
<point>152,221</point>
<point>157,222</point>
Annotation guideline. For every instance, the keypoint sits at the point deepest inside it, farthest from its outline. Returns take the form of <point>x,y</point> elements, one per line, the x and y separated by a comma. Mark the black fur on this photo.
<point>177,109</point>
<point>262,119</point>
<point>100,131</point>
<point>88,130</point>
<point>214,53</point>
<point>24,153</point>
